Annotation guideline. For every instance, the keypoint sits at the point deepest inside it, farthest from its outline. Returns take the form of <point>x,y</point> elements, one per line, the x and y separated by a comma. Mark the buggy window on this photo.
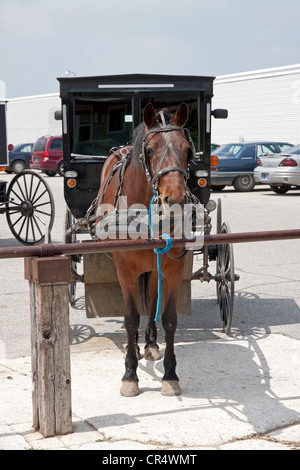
<point>172,105</point>
<point>101,125</point>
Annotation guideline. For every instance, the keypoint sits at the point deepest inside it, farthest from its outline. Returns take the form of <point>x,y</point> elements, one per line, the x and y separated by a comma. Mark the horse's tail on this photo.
<point>143,281</point>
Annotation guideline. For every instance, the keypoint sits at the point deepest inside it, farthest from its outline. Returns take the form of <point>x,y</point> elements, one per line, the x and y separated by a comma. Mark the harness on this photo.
<point>123,164</point>
<point>166,131</point>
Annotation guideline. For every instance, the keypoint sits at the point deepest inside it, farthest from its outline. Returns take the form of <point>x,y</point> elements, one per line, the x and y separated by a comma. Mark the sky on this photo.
<point>41,39</point>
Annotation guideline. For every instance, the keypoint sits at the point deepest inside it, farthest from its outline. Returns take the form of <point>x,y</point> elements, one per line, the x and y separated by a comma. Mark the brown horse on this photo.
<point>159,160</point>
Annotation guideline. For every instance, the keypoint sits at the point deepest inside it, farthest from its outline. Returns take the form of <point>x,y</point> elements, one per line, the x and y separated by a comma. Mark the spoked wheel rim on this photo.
<point>29,208</point>
<point>225,281</point>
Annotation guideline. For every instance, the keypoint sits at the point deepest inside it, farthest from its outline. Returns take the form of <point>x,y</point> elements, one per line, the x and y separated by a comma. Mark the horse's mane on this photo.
<point>140,131</point>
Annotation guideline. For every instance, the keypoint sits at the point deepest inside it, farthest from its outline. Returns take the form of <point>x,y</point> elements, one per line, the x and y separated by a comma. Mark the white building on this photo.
<point>262,104</point>
<point>29,118</point>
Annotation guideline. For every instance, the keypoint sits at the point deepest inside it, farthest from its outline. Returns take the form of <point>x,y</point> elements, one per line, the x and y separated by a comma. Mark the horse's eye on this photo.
<point>150,152</point>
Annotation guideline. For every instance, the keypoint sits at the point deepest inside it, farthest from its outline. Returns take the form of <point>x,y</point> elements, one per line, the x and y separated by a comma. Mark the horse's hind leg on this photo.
<point>151,348</point>
<point>170,383</point>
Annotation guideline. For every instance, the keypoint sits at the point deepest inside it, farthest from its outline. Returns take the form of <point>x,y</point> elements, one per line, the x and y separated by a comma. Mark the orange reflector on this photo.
<point>202,182</point>
<point>71,183</point>
<point>214,160</point>
<point>2,168</point>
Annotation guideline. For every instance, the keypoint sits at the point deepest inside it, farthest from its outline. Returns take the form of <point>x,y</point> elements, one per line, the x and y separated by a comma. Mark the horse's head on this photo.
<point>166,153</point>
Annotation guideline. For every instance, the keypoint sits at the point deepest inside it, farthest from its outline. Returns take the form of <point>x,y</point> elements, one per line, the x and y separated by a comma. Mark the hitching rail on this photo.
<point>49,278</point>
<point>51,249</point>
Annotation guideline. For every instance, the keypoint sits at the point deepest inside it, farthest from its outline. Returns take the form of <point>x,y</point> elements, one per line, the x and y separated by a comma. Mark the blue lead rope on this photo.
<point>159,252</point>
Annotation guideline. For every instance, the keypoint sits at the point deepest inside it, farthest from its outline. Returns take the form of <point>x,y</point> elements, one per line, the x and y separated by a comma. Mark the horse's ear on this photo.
<point>149,115</point>
<point>181,115</point>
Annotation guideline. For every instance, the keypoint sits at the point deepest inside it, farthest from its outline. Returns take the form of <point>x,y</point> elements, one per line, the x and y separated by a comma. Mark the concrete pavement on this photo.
<point>237,393</point>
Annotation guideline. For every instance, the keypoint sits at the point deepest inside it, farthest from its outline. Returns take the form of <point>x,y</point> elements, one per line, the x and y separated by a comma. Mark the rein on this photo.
<point>159,252</point>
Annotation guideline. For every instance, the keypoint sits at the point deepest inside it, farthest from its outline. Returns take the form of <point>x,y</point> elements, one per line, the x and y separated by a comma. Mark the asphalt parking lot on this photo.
<point>266,317</point>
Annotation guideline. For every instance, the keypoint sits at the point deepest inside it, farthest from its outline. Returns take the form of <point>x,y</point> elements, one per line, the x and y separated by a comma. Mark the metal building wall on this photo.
<point>263,104</point>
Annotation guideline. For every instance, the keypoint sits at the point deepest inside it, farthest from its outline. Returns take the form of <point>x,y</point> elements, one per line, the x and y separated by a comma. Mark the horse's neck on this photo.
<point>136,187</point>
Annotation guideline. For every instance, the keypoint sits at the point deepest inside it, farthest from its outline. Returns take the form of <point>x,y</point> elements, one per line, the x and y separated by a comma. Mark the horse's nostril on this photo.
<point>166,200</point>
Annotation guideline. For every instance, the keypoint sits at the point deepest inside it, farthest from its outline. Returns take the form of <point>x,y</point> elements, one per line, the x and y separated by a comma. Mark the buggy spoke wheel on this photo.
<point>30,208</point>
<point>225,281</point>
<point>219,229</point>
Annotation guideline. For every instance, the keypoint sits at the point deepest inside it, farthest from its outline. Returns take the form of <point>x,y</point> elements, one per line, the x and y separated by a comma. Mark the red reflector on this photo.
<point>288,162</point>
<point>10,147</point>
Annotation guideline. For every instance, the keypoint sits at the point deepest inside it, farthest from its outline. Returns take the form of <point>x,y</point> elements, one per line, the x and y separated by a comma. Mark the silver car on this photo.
<point>279,170</point>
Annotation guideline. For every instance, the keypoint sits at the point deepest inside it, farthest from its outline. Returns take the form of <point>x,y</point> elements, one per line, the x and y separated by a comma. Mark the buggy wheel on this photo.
<point>219,228</point>
<point>71,238</point>
<point>29,208</point>
<point>225,279</point>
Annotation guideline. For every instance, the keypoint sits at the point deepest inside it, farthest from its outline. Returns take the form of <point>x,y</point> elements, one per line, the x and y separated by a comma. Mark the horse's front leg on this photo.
<point>170,381</point>
<point>129,386</point>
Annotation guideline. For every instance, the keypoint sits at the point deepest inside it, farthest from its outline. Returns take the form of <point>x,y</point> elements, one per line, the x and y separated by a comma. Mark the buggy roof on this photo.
<point>135,83</point>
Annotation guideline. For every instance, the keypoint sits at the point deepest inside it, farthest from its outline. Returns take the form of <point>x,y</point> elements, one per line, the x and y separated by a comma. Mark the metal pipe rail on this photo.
<point>51,249</point>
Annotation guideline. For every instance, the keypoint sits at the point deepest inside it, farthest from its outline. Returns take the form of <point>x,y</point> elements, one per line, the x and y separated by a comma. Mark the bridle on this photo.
<point>166,129</point>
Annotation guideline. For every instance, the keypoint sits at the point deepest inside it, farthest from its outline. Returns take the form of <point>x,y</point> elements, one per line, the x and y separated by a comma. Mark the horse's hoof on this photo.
<point>129,388</point>
<point>152,354</point>
<point>170,388</point>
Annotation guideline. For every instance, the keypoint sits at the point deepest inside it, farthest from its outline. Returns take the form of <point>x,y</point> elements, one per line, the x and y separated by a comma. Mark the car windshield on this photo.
<point>39,145</point>
<point>285,147</point>
<point>295,150</point>
<point>18,148</point>
<point>230,149</point>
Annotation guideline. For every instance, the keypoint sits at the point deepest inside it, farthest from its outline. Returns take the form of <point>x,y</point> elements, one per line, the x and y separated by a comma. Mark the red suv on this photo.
<point>47,155</point>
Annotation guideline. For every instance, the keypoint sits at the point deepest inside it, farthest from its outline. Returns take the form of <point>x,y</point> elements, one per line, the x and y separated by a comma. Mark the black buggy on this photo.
<point>28,201</point>
<point>100,113</point>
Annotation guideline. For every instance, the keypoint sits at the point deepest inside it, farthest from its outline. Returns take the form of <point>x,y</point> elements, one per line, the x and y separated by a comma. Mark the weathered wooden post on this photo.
<point>49,279</point>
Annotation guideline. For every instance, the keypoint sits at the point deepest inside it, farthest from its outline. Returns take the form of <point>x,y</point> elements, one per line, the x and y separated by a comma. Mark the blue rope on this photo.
<point>159,252</point>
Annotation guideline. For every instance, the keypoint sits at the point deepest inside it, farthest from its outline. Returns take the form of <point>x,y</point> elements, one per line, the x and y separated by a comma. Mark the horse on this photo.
<point>158,163</point>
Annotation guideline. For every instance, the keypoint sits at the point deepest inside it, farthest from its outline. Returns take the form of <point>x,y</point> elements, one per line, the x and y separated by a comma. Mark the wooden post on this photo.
<point>50,340</point>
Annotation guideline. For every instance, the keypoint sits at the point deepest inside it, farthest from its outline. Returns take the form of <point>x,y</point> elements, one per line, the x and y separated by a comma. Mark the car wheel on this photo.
<point>18,166</point>
<point>60,168</point>
<point>50,172</point>
<point>244,183</point>
<point>281,188</point>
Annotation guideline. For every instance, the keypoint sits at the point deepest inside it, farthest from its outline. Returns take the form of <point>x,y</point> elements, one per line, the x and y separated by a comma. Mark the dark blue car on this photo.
<point>237,162</point>
<point>19,158</point>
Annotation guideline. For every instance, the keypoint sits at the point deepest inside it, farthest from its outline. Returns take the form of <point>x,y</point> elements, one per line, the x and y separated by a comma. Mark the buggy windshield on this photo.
<point>101,124</point>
